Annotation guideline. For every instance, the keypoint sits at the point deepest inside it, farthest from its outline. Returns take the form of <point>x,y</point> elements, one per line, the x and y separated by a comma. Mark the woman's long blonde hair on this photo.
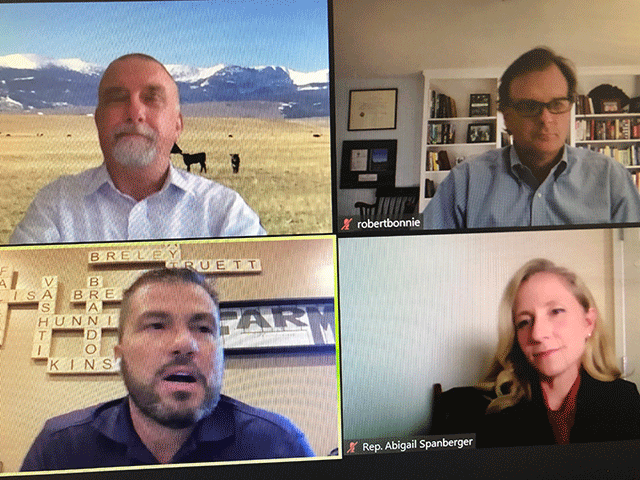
<point>511,375</point>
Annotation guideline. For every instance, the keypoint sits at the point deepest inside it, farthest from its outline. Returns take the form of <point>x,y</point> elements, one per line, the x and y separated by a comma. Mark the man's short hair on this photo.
<point>535,60</point>
<point>166,276</point>
<point>142,56</point>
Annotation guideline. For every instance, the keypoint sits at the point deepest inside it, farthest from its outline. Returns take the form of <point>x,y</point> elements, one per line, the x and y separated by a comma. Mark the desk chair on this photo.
<point>390,202</point>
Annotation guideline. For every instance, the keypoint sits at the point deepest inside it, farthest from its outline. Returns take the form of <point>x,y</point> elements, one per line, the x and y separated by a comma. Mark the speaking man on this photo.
<point>539,180</point>
<point>171,361</point>
<point>136,193</point>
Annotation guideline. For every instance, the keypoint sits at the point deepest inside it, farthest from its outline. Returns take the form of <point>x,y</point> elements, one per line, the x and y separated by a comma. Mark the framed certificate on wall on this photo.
<point>373,109</point>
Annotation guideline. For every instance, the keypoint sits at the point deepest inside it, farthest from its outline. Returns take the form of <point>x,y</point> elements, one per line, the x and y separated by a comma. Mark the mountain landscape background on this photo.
<point>33,83</point>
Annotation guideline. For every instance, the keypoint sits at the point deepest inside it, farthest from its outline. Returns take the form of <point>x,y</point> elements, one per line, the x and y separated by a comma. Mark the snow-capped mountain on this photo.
<point>302,78</point>
<point>36,82</point>
<point>188,74</point>
<point>31,61</point>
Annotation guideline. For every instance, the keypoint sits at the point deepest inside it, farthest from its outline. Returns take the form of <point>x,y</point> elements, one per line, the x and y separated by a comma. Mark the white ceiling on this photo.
<point>390,38</point>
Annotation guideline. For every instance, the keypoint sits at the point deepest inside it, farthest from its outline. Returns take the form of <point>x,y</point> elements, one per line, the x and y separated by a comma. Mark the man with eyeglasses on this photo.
<point>539,180</point>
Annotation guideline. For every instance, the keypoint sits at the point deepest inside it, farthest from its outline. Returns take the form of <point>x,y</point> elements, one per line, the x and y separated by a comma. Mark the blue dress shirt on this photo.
<point>496,190</point>
<point>104,436</point>
<point>87,207</point>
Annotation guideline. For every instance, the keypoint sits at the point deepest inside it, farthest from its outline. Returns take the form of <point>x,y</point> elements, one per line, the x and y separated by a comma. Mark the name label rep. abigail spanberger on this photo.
<point>416,444</point>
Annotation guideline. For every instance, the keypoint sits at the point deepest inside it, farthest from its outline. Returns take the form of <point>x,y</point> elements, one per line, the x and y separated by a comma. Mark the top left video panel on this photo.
<point>221,128</point>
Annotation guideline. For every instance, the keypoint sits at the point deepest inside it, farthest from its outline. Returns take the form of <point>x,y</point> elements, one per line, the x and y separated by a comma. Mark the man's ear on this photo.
<point>179,126</point>
<point>507,115</point>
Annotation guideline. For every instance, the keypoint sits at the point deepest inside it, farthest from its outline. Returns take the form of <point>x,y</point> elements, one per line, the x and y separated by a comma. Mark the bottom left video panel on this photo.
<point>147,354</point>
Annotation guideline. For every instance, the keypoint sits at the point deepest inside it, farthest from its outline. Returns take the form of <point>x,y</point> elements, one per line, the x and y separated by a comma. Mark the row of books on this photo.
<point>607,129</point>
<point>440,133</point>
<point>442,106</point>
<point>629,156</point>
<point>438,161</point>
<point>584,105</point>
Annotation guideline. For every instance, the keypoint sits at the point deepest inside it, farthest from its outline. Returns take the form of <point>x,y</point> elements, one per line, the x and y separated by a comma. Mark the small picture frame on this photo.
<point>610,105</point>
<point>368,163</point>
<point>480,105</point>
<point>373,109</point>
<point>480,133</point>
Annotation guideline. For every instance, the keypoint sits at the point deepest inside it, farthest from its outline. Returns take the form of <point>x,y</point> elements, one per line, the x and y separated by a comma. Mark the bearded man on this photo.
<point>136,193</point>
<point>171,361</point>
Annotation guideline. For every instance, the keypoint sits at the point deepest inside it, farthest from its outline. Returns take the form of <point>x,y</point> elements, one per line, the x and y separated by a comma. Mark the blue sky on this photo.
<point>290,33</point>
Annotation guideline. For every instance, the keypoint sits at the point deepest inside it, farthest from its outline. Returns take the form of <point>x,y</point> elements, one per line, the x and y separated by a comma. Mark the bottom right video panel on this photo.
<point>467,343</point>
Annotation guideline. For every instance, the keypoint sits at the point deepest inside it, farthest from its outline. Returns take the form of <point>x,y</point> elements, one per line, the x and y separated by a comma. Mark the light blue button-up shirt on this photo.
<point>87,207</point>
<point>496,190</point>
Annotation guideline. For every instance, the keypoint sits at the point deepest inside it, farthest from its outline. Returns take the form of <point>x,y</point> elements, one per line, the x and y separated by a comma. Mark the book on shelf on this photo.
<point>443,160</point>
<point>610,130</point>
<point>442,106</point>
<point>627,156</point>
<point>607,129</point>
<point>432,158</point>
<point>636,178</point>
<point>437,161</point>
<point>624,128</point>
<point>441,133</point>
<point>584,105</point>
<point>429,188</point>
<point>432,161</point>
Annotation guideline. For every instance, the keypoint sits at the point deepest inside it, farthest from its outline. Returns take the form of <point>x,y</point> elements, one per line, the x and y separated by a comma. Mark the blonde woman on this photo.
<point>553,378</point>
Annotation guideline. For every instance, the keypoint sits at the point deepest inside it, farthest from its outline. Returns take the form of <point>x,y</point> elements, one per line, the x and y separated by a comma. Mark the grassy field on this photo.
<point>285,172</point>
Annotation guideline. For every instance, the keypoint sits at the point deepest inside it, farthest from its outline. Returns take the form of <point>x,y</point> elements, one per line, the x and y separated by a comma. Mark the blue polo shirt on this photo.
<point>103,436</point>
<point>496,189</point>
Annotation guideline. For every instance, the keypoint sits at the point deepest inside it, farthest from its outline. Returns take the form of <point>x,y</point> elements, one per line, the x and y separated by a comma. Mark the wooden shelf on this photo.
<point>607,142</point>
<point>453,145</point>
<point>607,115</point>
<point>461,119</point>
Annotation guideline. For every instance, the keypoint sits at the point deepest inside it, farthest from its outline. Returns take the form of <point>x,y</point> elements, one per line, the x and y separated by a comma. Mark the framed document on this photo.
<point>359,159</point>
<point>373,109</point>
<point>368,163</point>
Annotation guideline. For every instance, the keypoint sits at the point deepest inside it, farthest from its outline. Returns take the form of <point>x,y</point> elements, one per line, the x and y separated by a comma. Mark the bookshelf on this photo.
<point>614,134</point>
<point>459,84</point>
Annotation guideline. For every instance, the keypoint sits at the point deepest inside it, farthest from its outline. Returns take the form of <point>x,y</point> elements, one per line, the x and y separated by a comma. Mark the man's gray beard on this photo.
<point>134,151</point>
<point>150,403</point>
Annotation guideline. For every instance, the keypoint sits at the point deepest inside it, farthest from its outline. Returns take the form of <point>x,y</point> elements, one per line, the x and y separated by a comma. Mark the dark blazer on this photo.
<point>604,411</point>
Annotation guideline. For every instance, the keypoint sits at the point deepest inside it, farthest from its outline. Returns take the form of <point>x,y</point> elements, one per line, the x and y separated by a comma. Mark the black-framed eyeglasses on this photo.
<point>533,108</point>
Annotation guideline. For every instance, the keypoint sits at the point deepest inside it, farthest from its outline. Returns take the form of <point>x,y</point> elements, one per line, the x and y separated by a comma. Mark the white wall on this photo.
<point>420,310</point>
<point>383,38</point>
<point>408,133</point>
